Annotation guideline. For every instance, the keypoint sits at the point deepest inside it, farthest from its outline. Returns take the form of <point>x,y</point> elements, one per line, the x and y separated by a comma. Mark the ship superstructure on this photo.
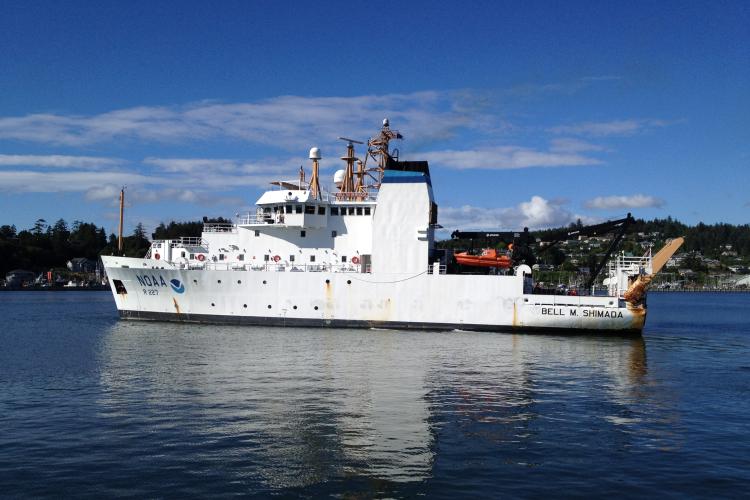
<point>359,255</point>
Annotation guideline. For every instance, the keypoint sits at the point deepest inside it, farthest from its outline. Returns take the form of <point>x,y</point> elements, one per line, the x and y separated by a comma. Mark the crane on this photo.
<point>521,241</point>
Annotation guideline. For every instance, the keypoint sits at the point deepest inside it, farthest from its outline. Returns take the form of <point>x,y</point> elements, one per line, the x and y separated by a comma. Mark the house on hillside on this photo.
<point>82,265</point>
<point>18,278</point>
<point>687,273</point>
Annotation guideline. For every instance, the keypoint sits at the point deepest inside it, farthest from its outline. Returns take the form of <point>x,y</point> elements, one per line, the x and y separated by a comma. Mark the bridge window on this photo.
<point>359,210</point>
<point>321,210</point>
<point>288,209</point>
<point>310,209</point>
<point>221,256</point>
<point>334,210</point>
<point>367,210</point>
<point>334,234</point>
<point>266,257</point>
<point>241,256</point>
<point>297,209</point>
<point>351,210</point>
<point>343,258</point>
<point>192,256</point>
<point>302,234</point>
<point>312,258</point>
<point>291,258</point>
<point>257,233</point>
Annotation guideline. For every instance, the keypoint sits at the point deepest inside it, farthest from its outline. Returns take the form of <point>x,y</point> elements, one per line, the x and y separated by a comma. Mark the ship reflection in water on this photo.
<point>289,408</point>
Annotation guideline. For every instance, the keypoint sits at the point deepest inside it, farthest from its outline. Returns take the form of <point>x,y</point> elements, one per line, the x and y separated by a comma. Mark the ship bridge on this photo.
<point>298,226</point>
<point>297,208</point>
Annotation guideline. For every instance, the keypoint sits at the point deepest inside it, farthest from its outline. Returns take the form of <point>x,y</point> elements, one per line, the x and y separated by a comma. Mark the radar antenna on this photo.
<point>350,140</point>
<point>378,148</point>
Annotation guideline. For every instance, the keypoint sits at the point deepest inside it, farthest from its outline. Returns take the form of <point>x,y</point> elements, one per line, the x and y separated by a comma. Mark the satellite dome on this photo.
<point>315,154</point>
<point>386,122</point>
<point>338,177</point>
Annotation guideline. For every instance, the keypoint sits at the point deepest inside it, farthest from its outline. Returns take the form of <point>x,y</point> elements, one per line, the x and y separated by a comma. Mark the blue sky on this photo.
<point>530,113</point>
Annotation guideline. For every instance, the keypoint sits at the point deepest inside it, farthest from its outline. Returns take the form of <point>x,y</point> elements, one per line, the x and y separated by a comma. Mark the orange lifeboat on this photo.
<point>488,258</point>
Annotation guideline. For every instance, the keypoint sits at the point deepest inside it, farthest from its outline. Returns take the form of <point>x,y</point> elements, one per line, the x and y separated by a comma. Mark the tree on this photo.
<point>176,230</point>
<point>40,226</point>
<point>60,236</point>
<point>87,240</point>
<point>137,244</point>
<point>557,256</point>
<point>7,232</point>
<point>139,232</point>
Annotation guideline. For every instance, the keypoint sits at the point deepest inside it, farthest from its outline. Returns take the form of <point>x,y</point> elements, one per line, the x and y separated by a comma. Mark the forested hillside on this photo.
<point>46,246</point>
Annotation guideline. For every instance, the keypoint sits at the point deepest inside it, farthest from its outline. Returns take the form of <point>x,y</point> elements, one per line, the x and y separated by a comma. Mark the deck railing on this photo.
<point>276,267</point>
<point>189,241</point>
<point>216,227</point>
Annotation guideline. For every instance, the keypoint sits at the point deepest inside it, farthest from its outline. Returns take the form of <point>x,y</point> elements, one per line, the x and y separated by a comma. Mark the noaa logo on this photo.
<point>177,286</point>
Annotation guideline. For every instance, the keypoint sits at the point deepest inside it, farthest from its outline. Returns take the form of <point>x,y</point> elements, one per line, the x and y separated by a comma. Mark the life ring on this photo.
<point>201,257</point>
<point>276,258</point>
<point>157,256</point>
<point>355,260</point>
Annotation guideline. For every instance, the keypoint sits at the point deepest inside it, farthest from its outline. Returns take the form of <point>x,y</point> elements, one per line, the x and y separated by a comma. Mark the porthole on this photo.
<point>316,308</point>
<point>218,281</point>
<point>328,282</point>
<point>212,304</point>
<point>239,282</point>
<point>264,282</point>
<point>295,308</point>
<point>348,282</point>
<point>195,281</point>
<point>244,305</point>
<point>269,306</point>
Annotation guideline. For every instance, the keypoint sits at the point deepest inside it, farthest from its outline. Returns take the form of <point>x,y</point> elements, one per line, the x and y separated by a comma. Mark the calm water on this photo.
<point>93,406</point>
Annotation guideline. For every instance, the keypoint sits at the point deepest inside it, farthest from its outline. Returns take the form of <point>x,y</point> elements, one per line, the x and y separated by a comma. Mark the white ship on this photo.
<point>361,255</point>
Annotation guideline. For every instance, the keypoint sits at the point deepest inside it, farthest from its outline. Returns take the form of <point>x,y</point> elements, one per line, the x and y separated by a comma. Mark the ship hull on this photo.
<point>215,319</point>
<point>145,289</point>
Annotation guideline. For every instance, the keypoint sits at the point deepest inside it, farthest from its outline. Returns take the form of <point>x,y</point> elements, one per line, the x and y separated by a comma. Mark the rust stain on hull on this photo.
<point>329,305</point>
<point>639,316</point>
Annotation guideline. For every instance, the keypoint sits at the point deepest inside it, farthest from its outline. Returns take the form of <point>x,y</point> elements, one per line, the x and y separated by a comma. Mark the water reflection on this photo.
<point>294,407</point>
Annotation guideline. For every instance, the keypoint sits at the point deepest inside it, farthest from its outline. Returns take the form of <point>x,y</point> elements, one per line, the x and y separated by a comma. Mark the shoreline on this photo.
<point>105,288</point>
<point>102,288</point>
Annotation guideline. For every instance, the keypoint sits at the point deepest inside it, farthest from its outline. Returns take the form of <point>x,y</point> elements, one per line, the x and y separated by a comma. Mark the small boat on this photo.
<point>488,258</point>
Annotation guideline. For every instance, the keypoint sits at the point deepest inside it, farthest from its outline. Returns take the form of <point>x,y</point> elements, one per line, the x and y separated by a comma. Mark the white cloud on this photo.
<point>537,213</point>
<point>57,161</point>
<point>184,196</point>
<point>285,121</point>
<point>568,145</point>
<point>193,165</point>
<point>140,195</point>
<point>615,202</point>
<point>224,166</point>
<point>107,192</point>
<point>184,180</point>
<point>72,181</point>
<point>506,157</point>
<point>610,128</point>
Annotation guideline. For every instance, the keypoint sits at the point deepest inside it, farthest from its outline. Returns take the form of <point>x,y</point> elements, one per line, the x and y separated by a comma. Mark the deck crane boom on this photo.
<point>522,240</point>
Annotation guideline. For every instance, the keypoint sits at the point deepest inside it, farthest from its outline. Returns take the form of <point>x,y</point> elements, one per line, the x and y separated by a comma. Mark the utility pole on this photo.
<point>122,209</point>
